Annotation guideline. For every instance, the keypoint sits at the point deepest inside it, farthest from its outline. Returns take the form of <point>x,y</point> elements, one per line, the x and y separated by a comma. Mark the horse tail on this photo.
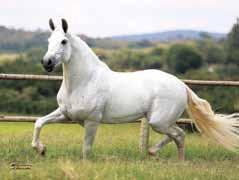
<point>219,128</point>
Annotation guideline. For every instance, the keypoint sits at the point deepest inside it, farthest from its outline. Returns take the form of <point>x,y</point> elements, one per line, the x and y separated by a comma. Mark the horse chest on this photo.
<point>77,106</point>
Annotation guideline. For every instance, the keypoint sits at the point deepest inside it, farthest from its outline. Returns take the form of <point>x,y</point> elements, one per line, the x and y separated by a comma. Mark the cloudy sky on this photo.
<point>101,18</point>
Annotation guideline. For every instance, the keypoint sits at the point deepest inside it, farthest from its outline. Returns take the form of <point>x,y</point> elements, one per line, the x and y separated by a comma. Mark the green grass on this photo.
<point>115,155</point>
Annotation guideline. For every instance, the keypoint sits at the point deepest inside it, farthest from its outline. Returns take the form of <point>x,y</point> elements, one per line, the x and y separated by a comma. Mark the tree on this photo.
<point>232,45</point>
<point>205,35</point>
<point>212,52</point>
<point>180,58</point>
<point>141,44</point>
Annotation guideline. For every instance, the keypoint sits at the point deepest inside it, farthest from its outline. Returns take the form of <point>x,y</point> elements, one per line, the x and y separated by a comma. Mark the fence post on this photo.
<point>144,135</point>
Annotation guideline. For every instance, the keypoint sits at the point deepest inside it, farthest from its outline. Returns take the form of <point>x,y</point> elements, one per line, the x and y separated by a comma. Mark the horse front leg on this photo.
<point>90,132</point>
<point>55,116</point>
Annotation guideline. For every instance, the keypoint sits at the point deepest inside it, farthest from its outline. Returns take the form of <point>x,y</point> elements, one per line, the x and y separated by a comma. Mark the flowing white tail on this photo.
<point>221,129</point>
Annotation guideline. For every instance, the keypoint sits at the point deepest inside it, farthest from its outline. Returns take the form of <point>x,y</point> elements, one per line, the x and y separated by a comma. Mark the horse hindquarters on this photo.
<point>162,119</point>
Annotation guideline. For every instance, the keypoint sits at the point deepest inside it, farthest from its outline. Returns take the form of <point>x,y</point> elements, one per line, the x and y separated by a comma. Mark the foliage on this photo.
<point>140,44</point>
<point>232,45</point>
<point>228,72</point>
<point>182,58</point>
<point>34,97</point>
<point>127,59</point>
<point>105,43</point>
<point>211,52</point>
<point>20,40</point>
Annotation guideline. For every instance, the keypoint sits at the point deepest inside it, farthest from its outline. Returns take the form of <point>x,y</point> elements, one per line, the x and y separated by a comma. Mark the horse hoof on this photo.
<point>181,158</point>
<point>43,151</point>
<point>151,152</point>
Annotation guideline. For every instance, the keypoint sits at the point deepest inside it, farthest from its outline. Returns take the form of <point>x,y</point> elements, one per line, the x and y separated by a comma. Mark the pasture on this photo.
<point>115,155</point>
<point>6,57</point>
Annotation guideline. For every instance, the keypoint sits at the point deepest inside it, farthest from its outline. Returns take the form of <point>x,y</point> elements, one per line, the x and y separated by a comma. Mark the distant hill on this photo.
<point>18,40</point>
<point>168,36</point>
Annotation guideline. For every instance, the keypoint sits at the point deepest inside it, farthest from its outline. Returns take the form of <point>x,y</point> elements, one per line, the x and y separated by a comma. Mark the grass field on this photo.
<point>6,57</point>
<point>115,155</point>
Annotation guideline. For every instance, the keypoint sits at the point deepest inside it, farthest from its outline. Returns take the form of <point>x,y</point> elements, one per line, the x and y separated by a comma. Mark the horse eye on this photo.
<point>63,42</point>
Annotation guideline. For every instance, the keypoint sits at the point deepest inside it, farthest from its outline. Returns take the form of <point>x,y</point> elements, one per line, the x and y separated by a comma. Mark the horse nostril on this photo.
<point>49,62</point>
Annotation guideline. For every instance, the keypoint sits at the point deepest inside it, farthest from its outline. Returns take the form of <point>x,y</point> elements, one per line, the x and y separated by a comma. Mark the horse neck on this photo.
<point>82,65</point>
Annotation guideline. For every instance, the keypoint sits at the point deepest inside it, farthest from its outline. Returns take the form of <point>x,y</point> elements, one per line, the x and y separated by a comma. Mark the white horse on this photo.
<point>91,94</point>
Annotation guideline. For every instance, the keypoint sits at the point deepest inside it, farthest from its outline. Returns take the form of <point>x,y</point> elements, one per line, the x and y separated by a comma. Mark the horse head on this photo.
<point>59,47</point>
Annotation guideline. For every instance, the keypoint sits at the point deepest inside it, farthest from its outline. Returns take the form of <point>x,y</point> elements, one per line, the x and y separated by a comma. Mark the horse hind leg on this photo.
<point>154,149</point>
<point>178,135</point>
<point>172,133</point>
<point>164,121</point>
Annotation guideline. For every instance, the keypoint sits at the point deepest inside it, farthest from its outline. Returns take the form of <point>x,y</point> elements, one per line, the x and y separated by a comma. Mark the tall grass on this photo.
<point>115,155</point>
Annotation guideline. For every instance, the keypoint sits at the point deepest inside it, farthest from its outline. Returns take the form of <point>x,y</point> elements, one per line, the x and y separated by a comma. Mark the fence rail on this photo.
<point>58,78</point>
<point>4,118</point>
<point>29,77</point>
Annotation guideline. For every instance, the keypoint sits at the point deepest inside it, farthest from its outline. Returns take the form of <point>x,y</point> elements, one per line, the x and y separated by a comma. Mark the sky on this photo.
<point>101,18</point>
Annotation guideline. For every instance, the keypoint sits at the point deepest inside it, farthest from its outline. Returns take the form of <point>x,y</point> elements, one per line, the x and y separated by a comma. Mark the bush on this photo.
<point>181,58</point>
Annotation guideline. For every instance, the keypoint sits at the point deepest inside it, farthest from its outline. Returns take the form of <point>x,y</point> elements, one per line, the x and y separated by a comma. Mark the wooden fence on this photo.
<point>144,132</point>
<point>58,78</point>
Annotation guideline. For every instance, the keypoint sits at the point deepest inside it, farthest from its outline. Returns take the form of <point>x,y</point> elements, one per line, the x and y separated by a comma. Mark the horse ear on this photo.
<point>64,25</point>
<point>51,24</point>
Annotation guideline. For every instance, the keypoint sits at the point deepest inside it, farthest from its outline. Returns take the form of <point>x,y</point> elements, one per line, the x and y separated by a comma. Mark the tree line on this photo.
<point>201,59</point>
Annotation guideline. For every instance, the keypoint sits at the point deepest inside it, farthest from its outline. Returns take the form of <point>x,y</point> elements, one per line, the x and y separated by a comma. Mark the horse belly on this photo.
<point>126,107</point>
<point>122,119</point>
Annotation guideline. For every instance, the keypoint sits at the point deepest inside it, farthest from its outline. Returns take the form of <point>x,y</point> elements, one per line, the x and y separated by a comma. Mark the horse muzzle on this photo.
<point>49,69</point>
<point>48,64</point>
